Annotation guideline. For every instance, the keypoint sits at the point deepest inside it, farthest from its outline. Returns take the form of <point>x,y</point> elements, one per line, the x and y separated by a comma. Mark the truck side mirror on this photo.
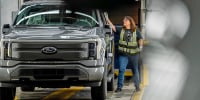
<point>6,28</point>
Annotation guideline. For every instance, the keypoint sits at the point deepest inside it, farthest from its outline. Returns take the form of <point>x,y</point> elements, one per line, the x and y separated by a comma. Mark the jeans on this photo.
<point>123,62</point>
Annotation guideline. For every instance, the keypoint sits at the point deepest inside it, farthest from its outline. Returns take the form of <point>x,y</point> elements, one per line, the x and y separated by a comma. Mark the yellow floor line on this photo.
<point>145,82</point>
<point>145,76</point>
<point>16,98</point>
<point>128,72</point>
<point>72,93</point>
<point>138,95</point>
<point>63,94</point>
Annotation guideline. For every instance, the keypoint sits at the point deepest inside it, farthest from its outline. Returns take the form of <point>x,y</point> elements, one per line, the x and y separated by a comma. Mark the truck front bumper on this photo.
<point>51,73</point>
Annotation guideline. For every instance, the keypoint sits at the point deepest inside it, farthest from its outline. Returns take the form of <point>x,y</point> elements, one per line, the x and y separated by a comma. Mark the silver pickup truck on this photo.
<point>51,44</point>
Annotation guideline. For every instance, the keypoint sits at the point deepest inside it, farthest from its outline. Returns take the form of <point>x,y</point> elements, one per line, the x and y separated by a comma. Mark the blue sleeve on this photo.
<point>139,36</point>
<point>118,29</point>
<point>117,34</point>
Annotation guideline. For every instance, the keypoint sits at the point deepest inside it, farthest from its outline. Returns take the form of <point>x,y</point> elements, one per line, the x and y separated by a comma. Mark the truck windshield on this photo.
<point>54,15</point>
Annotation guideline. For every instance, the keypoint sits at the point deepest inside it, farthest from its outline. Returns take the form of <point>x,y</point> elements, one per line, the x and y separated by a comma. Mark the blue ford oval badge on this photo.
<point>49,50</point>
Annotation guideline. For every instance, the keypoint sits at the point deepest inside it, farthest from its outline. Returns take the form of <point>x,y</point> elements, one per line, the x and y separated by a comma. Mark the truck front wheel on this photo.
<point>100,92</point>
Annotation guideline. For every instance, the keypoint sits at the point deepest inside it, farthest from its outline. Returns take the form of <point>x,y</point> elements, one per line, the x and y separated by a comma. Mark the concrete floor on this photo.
<point>75,93</point>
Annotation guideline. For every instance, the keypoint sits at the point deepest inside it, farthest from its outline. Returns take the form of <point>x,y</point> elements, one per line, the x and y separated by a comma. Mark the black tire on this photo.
<point>27,89</point>
<point>100,92</point>
<point>7,93</point>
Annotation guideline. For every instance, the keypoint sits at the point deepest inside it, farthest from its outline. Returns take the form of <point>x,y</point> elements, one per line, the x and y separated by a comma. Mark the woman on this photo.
<point>130,44</point>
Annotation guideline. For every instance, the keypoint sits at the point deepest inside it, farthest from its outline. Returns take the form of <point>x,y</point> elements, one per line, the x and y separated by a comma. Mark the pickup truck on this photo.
<point>52,44</point>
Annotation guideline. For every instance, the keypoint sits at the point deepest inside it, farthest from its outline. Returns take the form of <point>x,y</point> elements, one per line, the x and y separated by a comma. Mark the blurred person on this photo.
<point>130,44</point>
<point>167,23</point>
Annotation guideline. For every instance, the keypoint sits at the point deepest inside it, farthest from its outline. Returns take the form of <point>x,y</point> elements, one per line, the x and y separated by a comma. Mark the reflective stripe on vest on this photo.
<point>128,47</point>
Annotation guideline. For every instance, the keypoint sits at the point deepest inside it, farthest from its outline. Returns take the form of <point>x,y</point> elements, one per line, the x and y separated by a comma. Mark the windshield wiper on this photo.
<point>20,26</point>
<point>71,27</point>
<point>28,25</point>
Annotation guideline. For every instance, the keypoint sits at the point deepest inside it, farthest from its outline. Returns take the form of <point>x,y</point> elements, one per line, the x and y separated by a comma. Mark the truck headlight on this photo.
<point>92,52</point>
<point>7,50</point>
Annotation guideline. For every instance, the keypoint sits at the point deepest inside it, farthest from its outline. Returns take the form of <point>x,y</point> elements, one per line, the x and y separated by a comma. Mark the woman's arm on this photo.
<point>140,39</point>
<point>110,23</point>
<point>141,42</point>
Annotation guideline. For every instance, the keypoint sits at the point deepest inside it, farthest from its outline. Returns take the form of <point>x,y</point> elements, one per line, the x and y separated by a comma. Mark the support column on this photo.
<point>143,18</point>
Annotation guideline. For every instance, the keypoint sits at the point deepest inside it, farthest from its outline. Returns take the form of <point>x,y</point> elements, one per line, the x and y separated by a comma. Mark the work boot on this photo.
<point>118,90</point>
<point>137,88</point>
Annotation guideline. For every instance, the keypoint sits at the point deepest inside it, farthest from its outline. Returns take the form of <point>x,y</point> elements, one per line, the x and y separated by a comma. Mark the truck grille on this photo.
<point>49,73</point>
<point>35,51</point>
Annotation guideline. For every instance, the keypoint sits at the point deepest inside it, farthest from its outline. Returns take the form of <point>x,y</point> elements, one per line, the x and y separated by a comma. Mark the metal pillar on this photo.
<point>143,18</point>
<point>143,31</point>
<point>20,2</point>
<point>6,9</point>
<point>0,18</point>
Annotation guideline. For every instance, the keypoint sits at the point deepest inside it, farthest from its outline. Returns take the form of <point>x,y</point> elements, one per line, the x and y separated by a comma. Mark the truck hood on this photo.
<point>52,33</point>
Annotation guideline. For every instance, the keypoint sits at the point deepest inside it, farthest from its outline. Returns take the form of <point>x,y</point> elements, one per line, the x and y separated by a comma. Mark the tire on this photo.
<point>27,89</point>
<point>7,93</point>
<point>100,93</point>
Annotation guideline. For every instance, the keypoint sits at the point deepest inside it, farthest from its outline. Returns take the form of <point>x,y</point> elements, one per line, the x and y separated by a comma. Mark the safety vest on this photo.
<point>129,48</point>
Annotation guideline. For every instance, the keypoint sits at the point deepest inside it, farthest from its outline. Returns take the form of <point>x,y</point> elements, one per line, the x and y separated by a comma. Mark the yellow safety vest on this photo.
<point>129,48</point>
